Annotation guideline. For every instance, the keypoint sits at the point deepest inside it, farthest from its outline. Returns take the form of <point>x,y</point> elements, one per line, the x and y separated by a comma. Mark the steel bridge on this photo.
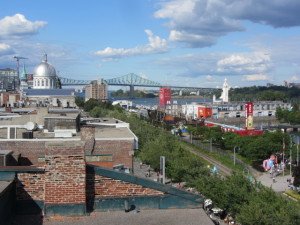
<point>132,80</point>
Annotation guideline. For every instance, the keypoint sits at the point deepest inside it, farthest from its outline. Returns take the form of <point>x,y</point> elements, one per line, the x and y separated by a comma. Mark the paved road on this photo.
<point>280,184</point>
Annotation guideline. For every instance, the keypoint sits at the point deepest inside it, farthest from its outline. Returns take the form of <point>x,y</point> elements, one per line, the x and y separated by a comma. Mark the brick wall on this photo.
<point>120,150</point>
<point>87,133</point>
<point>30,150</point>
<point>30,186</point>
<point>65,179</point>
<point>100,186</point>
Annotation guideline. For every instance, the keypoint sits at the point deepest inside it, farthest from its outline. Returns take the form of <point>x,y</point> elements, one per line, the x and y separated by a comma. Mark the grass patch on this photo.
<point>223,159</point>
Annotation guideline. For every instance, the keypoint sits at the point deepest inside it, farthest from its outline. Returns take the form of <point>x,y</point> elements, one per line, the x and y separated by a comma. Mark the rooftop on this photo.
<point>38,117</point>
<point>147,217</point>
<point>49,92</point>
<point>111,133</point>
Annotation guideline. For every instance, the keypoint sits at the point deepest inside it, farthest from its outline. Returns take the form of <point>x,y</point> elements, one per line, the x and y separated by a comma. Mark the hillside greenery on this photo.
<point>137,94</point>
<point>248,202</point>
<point>263,93</point>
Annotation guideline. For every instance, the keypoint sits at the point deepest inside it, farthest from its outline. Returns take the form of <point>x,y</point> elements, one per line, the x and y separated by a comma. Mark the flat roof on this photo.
<point>38,118</point>
<point>149,217</point>
<point>112,132</point>
<point>49,92</point>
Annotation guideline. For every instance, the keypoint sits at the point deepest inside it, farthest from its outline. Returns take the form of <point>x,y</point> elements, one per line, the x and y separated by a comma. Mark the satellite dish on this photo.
<point>30,126</point>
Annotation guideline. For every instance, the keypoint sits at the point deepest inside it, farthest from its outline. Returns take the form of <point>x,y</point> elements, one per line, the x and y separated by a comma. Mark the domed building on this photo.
<point>44,76</point>
<point>46,91</point>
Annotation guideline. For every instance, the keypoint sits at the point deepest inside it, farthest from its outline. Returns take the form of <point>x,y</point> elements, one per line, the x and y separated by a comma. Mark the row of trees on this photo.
<point>137,94</point>
<point>289,116</point>
<point>255,148</point>
<point>248,202</point>
<point>262,93</point>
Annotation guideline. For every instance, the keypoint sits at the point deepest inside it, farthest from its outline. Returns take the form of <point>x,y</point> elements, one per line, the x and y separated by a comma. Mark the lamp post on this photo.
<point>235,149</point>
<point>291,145</point>
<point>298,141</point>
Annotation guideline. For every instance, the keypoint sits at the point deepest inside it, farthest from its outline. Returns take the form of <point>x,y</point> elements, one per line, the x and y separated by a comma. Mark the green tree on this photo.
<point>90,104</point>
<point>267,208</point>
<point>79,101</point>
<point>98,111</point>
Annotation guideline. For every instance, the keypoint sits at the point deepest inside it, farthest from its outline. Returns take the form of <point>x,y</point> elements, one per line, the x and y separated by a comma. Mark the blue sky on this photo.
<point>174,42</point>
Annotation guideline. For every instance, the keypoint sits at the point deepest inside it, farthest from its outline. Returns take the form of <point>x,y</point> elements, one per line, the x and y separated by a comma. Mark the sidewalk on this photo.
<point>280,184</point>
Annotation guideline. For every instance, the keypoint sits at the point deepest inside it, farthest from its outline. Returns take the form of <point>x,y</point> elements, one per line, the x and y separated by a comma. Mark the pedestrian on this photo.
<point>272,172</point>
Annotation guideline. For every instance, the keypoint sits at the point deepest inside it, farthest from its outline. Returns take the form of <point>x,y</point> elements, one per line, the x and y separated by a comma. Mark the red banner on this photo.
<point>249,109</point>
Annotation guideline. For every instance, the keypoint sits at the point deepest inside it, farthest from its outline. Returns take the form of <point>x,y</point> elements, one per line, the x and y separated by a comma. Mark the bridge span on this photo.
<point>132,80</point>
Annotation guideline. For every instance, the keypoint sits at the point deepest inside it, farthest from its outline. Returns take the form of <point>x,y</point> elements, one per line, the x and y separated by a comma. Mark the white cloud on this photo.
<point>199,23</point>
<point>219,64</point>
<point>194,40</point>
<point>294,78</point>
<point>256,77</point>
<point>209,78</point>
<point>155,45</point>
<point>18,25</point>
<point>257,62</point>
<point>5,49</point>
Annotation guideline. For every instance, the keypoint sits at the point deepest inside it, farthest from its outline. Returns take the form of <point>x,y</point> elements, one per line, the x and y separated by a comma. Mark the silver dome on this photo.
<point>44,69</point>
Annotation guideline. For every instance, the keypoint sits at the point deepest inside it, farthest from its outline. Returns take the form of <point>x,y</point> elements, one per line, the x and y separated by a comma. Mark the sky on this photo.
<point>173,42</point>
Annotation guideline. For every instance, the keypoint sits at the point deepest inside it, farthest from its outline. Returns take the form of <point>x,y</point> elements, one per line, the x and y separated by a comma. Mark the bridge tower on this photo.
<point>131,91</point>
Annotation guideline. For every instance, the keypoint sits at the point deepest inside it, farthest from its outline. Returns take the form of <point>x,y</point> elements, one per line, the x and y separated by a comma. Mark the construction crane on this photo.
<point>18,68</point>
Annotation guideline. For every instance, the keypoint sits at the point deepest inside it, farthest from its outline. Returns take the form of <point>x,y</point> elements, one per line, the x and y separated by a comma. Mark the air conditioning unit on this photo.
<point>4,155</point>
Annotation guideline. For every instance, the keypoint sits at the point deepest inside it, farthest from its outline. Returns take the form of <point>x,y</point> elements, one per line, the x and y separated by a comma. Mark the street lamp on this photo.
<point>235,149</point>
<point>297,143</point>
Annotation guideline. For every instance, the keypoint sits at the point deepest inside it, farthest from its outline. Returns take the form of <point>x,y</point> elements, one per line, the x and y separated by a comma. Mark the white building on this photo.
<point>237,109</point>
<point>44,76</point>
<point>46,90</point>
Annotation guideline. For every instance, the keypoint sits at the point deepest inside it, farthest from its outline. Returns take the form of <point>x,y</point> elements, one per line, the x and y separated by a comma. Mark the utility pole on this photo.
<point>283,149</point>
<point>291,142</point>
<point>298,140</point>
<point>162,169</point>
<point>235,149</point>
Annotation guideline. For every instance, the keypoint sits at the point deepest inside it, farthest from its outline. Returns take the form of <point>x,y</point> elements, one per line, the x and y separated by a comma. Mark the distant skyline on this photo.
<point>174,42</point>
